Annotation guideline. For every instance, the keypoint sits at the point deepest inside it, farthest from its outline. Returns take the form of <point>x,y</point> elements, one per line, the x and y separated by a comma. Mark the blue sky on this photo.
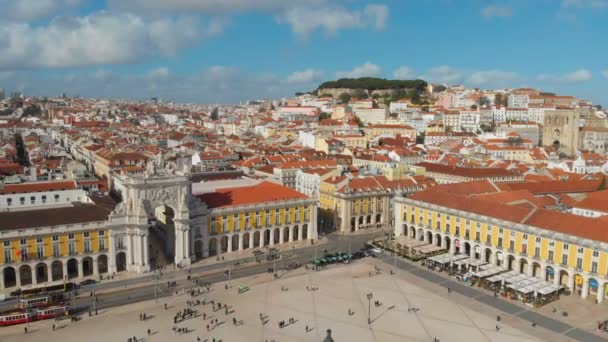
<point>220,51</point>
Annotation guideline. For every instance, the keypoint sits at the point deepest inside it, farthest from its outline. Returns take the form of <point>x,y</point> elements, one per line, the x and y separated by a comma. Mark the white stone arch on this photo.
<point>141,194</point>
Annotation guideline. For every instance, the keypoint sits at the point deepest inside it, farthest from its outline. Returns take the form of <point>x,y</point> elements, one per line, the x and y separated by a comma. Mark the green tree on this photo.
<point>324,116</point>
<point>344,97</point>
<point>358,121</point>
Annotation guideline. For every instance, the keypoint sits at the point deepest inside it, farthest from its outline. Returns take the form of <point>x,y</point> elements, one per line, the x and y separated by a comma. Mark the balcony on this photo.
<point>549,261</point>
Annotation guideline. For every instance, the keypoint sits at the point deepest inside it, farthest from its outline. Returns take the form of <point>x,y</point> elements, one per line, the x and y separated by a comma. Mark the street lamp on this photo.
<point>369,307</point>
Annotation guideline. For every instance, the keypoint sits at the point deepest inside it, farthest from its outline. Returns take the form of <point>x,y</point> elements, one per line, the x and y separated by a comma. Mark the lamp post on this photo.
<point>369,307</point>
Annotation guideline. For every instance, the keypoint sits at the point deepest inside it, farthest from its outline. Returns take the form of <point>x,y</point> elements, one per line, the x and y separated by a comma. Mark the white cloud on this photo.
<point>33,9</point>
<point>305,76</point>
<point>605,73</point>
<point>161,72</point>
<point>493,77</point>
<point>305,20</point>
<point>365,70</point>
<point>443,74</point>
<point>577,76</point>
<point>493,11</point>
<point>99,38</point>
<point>404,73</point>
<point>212,6</point>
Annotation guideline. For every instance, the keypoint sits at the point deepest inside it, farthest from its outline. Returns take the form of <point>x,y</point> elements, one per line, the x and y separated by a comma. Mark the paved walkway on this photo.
<point>503,306</point>
<point>340,289</point>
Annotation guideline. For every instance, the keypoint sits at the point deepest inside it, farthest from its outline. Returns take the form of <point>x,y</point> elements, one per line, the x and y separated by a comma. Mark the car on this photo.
<point>87,282</point>
<point>376,250</point>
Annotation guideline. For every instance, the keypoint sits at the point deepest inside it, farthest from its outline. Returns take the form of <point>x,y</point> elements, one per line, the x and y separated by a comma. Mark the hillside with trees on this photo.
<point>371,83</point>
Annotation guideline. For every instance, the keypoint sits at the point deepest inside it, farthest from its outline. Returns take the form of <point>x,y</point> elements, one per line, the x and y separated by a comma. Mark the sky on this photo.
<point>226,51</point>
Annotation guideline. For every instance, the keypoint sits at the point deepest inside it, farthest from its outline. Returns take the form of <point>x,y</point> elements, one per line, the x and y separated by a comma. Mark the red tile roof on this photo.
<point>260,193</point>
<point>37,187</point>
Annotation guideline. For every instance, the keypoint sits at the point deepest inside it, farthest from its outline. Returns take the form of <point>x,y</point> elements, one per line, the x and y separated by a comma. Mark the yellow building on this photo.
<point>254,216</point>
<point>54,244</point>
<point>510,229</point>
<point>392,130</point>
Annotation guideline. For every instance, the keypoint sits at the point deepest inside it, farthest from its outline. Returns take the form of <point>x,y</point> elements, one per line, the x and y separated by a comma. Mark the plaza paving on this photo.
<point>340,288</point>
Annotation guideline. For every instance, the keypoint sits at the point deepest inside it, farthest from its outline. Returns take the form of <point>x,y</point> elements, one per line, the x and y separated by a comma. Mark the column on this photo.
<point>229,249</point>
<point>471,251</point>
<point>272,237</point>
<point>185,244</point>
<point>291,231</point>
<point>80,269</point>
<point>452,247</point>
<point>585,289</point>
<point>129,249</point>
<point>314,224</point>
<point>556,274</point>
<point>137,255</point>
<point>530,269</point>
<point>240,242</point>
<point>493,258</point>
<point>600,291</point>
<point>251,238</point>
<point>33,272</point>
<point>65,269</point>
<point>301,232</point>
<point>205,248</point>
<point>96,267</point>
<point>2,279</point>
<point>356,224</point>
<point>146,250</point>
<point>18,276</point>
<point>282,235</point>
<point>571,282</point>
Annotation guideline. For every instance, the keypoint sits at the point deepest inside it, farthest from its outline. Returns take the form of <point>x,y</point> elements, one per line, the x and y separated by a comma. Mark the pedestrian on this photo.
<point>307,328</point>
<point>497,327</point>
<point>53,326</point>
<point>533,324</point>
<point>25,329</point>
<point>149,332</point>
<point>498,318</point>
<point>449,290</point>
<point>204,315</point>
<point>233,320</point>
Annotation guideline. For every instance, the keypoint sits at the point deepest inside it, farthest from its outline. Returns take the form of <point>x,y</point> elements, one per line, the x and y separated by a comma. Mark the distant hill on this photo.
<point>371,83</point>
<point>370,86</point>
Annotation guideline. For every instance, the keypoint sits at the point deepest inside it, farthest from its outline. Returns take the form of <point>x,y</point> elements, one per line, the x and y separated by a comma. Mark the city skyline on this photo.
<point>228,51</point>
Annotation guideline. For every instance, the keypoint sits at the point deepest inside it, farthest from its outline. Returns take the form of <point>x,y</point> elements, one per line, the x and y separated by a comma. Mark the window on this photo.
<point>594,267</point>
<point>525,237</point>
<point>43,198</point>
<point>596,254</point>
<point>102,244</point>
<point>55,238</point>
<point>9,201</point>
<point>40,252</point>
<point>488,239</point>
<point>102,233</point>
<point>500,242</point>
<point>22,200</point>
<point>552,243</point>
<point>32,199</point>
<point>39,240</point>
<point>537,252</point>
<point>23,242</point>
<point>87,246</point>
<point>457,231</point>
<point>565,259</point>
<point>86,234</point>
<point>7,243</point>
<point>538,239</point>
<point>550,256</point>
<point>477,236</point>
<point>500,230</point>
<point>512,245</point>
<point>72,248</point>
<point>56,198</point>
<point>24,254</point>
<point>56,251</point>
<point>566,246</point>
<point>580,250</point>
<point>8,256</point>
<point>512,234</point>
<point>71,236</point>
<point>579,263</point>
<point>478,225</point>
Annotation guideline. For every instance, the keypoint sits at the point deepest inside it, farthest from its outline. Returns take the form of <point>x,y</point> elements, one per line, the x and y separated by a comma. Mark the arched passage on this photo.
<point>593,287</point>
<point>162,234</point>
<point>412,232</point>
<point>457,246</point>
<point>212,247</point>
<point>511,262</point>
<point>378,218</point>
<point>523,266</point>
<point>447,242</point>
<point>266,237</point>
<point>25,274</point>
<point>536,270</point>
<point>102,264</point>
<point>420,234</point>
<point>198,249</point>
<point>285,234</point>
<point>224,244</point>
<point>438,240</point>
<point>87,266</point>
<point>550,274</point>
<point>72,268</point>
<point>467,248</point>
<point>352,224</point>
<point>564,278</point>
<point>488,255</point>
<point>235,242</point>
<point>369,219</point>
<point>429,237</point>
<point>360,221</point>
<point>121,262</point>
<point>256,239</point>
<point>305,231</point>
<point>56,270</point>
<point>404,230</point>
<point>9,276</point>
<point>42,274</point>
<point>276,235</point>
<point>246,238</point>
<point>296,233</point>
